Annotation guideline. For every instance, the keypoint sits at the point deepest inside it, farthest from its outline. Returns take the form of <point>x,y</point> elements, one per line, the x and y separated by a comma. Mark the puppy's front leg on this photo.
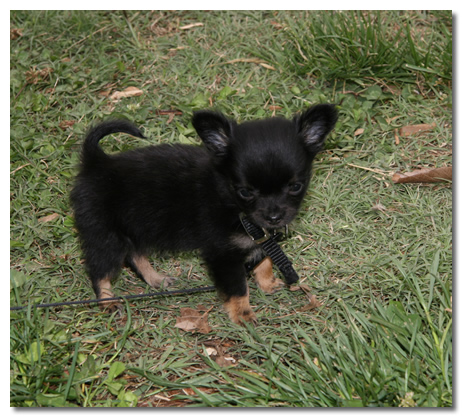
<point>231,282</point>
<point>239,310</point>
<point>265,278</point>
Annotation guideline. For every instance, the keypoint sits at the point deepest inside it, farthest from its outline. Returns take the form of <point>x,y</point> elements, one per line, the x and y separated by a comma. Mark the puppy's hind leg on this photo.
<point>103,290</point>
<point>142,267</point>
<point>104,259</point>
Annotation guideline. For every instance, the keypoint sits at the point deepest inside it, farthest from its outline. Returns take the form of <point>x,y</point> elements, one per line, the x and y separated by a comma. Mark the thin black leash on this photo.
<point>268,242</point>
<point>119,298</point>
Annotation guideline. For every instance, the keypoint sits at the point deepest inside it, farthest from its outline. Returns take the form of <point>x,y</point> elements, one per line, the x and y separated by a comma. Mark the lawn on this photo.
<point>376,255</point>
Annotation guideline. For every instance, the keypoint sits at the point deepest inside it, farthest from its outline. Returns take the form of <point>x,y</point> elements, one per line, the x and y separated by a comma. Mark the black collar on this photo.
<point>268,242</point>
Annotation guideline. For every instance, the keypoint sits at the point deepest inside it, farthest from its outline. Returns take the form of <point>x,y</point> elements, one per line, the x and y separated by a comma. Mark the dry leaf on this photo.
<point>267,66</point>
<point>312,300</point>
<point>424,175</point>
<point>48,218</point>
<point>251,60</point>
<point>359,131</point>
<point>193,321</point>
<point>312,304</point>
<point>217,354</point>
<point>277,25</point>
<point>15,33</point>
<point>67,123</point>
<point>164,112</point>
<point>416,129</point>
<point>171,114</point>
<point>128,92</point>
<point>379,207</point>
<point>192,25</point>
<point>33,76</point>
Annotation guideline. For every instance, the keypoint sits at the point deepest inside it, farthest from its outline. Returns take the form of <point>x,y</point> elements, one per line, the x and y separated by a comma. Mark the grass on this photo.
<point>377,256</point>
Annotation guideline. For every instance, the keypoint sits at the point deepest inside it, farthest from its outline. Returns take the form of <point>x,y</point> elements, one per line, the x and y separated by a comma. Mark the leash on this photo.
<point>268,242</point>
<point>120,298</point>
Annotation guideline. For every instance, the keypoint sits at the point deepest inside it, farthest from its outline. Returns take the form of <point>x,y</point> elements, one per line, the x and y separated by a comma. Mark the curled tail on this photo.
<point>91,151</point>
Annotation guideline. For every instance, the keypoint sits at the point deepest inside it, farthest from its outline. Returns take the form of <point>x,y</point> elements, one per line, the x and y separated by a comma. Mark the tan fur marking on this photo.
<point>153,278</point>
<point>238,309</point>
<point>265,278</point>
<point>106,292</point>
<point>105,288</point>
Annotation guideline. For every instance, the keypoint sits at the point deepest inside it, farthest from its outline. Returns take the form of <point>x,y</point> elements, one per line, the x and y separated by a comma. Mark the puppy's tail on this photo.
<point>91,151</point>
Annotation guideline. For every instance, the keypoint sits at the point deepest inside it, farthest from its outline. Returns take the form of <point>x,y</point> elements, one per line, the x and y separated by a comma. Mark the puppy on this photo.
<point>178,197</point>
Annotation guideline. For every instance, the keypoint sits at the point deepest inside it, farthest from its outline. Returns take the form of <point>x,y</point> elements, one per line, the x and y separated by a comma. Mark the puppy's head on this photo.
<point>266,163</point>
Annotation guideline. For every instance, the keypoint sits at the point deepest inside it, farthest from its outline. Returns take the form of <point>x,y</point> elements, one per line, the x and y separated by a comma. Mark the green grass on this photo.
<point>378,256</point>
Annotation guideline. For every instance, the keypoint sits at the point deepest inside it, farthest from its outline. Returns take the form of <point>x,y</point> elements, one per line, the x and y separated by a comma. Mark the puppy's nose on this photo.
<point>273,219</point>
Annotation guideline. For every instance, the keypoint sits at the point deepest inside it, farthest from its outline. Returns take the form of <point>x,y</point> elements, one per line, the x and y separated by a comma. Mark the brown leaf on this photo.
<point>171,114</point>
<point>396,137</point>
<point>33,76</point>
<point>416,129</point>
<point>312,300</point>
<point>217,354</point>
<point>66,123</point>
<point>15,33</point>
<point>424,175</point>
<point>167,112</point>
<point>312,304</point>
<point>48,218</point>
<point>193,321</point>
<point>128,92</point>
<point>277,25</point>
<point>359,131</point>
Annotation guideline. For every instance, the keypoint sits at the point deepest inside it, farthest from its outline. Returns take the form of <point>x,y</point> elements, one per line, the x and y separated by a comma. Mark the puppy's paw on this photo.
<point>270,286</point>
<point>105,291</point>
<point>160,281</point>
<point>265,278</point>
<point>143,268</point>
<point>239,310</point>
<point>111,307</point>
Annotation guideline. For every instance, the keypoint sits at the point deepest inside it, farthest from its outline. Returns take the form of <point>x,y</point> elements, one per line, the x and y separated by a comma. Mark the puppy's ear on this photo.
<point>214,129</point>
<point>315,124</point>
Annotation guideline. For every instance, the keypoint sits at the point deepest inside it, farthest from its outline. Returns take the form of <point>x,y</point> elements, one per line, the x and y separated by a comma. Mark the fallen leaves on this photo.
<point>34,76</point>
<point>192,25</point>
<point>218,355</point>
<point>15,33</point>
<point>48,218</point>
<point>192,320</point>
<point>426,175</point>
<point>128,92</point>
<point>416,129</point>
<point>252,61</point>
<point>171,114</point>
<point>312,300</point>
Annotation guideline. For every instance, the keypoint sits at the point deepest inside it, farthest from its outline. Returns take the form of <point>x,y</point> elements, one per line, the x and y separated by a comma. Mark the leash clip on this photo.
<point>258,240</point>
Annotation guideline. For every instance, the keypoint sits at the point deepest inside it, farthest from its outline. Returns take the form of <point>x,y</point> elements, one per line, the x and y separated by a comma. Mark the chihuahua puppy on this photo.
<point>178,197</point>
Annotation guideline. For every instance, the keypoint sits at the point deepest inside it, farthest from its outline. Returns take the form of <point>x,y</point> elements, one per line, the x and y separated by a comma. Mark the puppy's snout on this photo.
<point>273,219</point>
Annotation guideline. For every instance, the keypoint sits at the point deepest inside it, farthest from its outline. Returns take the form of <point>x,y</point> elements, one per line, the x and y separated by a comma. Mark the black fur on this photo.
<point>182,198</point>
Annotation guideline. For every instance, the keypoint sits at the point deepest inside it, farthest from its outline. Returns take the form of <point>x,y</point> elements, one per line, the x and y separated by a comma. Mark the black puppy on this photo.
<point>183,197</point>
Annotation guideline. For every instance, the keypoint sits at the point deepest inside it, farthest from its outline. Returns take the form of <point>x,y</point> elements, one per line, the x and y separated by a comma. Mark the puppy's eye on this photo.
<point>295,188</point>
<point>245,193</point>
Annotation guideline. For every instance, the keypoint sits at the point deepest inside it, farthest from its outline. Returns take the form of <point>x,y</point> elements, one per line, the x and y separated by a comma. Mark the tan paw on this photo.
<point>265,278</point>
<point>239,310</point>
